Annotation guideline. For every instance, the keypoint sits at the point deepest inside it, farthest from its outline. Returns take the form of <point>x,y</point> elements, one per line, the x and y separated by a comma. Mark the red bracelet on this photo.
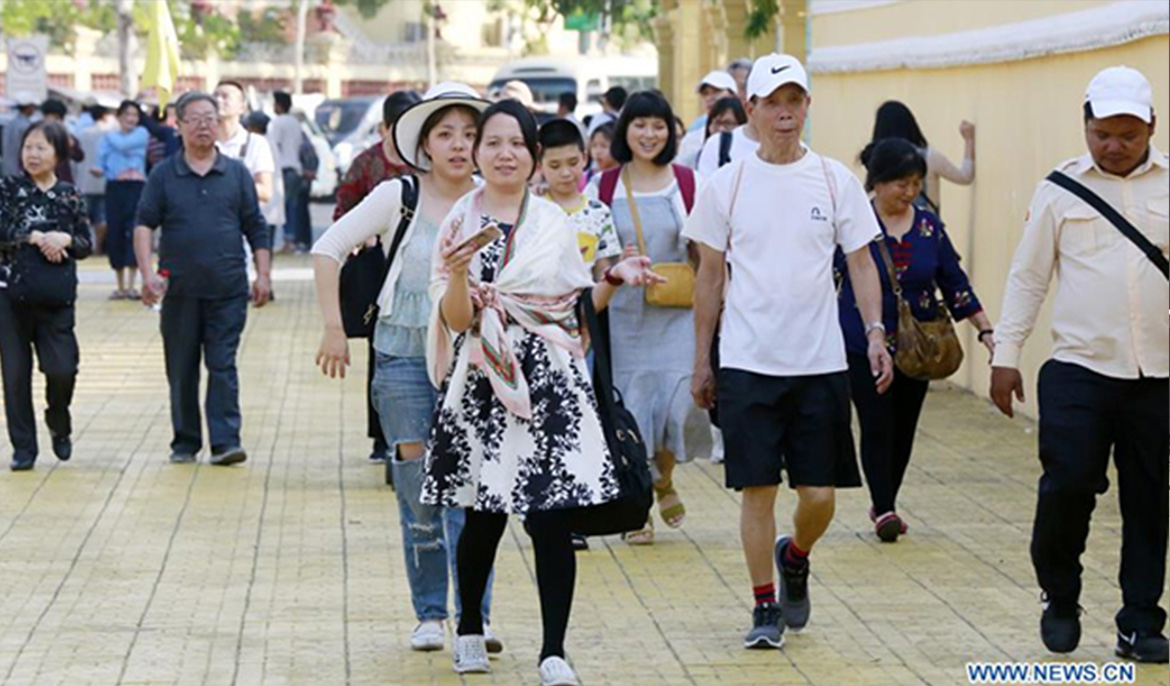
<point>611,279</point>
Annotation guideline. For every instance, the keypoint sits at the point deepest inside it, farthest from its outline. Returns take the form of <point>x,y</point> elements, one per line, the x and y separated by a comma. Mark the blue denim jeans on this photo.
<point>406,401</point>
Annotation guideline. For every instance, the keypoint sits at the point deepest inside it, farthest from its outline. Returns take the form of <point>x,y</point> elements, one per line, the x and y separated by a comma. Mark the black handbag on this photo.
<point>37,282</point>
<point>363,274</point>
<point>631,509</point>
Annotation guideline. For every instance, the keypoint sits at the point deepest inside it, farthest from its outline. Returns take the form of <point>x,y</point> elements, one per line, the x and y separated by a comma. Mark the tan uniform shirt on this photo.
<point>1110,297</point>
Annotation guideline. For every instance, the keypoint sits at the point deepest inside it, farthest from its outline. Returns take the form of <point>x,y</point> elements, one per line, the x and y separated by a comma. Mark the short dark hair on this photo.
<point>895,120</point>
<point>607,129</point>
<point>233,83</point>
<point>512,108</point>
<point>560,133</point>
<point>396,103</point>
<point>728,104</point>
<point>191,97</point>
<point>650,105</point>
<point>891,159</point>
<point>616,97</point>
<point>54,133</point>
<point>97,111</point>
<point>128,105</point>
<point>53,106</point>
<point>282,100</point>
<point>568,100</point>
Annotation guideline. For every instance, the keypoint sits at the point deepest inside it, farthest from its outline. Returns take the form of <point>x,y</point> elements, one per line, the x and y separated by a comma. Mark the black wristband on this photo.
<point>985,332</point>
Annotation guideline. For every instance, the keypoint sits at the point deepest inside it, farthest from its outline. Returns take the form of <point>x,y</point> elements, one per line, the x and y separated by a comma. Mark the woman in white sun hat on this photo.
<point>435,137</point>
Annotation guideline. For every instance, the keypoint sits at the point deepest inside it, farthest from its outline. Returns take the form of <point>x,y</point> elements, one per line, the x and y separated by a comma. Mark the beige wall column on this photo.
<point>792,29</point>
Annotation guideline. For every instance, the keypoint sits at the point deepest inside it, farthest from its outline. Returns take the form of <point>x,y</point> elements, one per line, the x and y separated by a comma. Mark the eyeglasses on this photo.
<point>201,121</point>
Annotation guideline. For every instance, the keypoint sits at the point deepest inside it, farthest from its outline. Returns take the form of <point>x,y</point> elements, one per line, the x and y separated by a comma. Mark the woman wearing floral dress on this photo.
<point>516,429</point>
<point>923,258</point>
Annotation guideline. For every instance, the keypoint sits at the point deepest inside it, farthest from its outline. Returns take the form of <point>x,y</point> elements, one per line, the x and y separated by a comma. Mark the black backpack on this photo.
<point>363,274</point>
<point>724,147</point>
<point>307,154</point>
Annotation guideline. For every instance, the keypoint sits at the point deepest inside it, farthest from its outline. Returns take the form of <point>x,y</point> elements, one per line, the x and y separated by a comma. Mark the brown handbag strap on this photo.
<point>890,268</point>
<point>634,210</point>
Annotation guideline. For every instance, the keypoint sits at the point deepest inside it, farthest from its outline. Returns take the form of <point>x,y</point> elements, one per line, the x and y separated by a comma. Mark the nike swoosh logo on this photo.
<point>777,70</point>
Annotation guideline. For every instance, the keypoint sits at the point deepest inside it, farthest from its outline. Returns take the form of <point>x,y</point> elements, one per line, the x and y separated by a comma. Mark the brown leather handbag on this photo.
<point>679,289</point>
<point>926,350</point>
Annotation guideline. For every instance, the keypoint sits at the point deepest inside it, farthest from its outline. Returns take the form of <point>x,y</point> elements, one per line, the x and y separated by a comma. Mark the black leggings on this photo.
<point>556,570</point>
<point>888,422</point>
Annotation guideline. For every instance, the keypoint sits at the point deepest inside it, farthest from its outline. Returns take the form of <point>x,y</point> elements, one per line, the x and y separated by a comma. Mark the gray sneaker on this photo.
<point>767,629</point>
<point>794,603</point>
<point>182,458</point>
<point>229,457</point>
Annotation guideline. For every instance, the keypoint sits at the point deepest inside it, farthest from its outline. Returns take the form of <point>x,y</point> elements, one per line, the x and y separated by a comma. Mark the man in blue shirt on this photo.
<point>203,201</point>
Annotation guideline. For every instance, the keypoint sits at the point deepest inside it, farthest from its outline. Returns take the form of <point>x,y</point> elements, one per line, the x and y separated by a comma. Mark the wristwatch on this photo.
<point>875,326</point>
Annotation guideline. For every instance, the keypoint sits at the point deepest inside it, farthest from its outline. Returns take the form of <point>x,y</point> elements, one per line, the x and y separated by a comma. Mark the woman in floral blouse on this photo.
<point>924,259</point>
<point>44,227</point>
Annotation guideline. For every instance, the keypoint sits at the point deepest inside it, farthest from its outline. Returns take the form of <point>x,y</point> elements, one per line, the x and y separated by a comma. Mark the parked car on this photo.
<point>351,125</point>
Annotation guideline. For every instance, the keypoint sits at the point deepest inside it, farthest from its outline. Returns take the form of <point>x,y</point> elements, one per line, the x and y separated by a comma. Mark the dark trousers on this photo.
<point>121,205</point>
<point>50,332</point>
<point>373,423</point>
<point>556,570</point>
<point>304,220</point>
<point>888,422</point>
<point>195,328</point>
<point>1083,417</point>
<point>292,193</point>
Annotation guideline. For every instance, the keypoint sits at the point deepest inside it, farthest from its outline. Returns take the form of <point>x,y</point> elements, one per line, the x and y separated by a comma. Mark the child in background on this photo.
<point>599,142</point>
<point>562,164</point>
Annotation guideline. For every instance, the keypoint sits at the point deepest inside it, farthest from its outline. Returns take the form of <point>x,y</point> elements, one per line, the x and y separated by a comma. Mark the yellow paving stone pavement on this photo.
<point>120,568</point>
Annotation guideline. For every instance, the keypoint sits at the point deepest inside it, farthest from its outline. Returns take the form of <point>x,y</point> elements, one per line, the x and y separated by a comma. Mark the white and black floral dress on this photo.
<point>482,456</point>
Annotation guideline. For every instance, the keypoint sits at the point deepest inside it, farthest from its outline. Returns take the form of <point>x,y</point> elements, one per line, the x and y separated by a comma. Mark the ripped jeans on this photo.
<point>405,401</point>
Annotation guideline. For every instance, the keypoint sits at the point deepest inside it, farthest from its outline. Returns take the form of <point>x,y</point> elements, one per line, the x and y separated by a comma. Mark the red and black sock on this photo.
<point>764,594</point>
<point>795,557</point>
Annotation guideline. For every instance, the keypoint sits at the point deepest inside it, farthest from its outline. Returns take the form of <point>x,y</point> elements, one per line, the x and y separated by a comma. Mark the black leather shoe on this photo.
<point>1060,626</point>
<point>63,447</point>
<point>1142,647</point>
<point>22,464</point>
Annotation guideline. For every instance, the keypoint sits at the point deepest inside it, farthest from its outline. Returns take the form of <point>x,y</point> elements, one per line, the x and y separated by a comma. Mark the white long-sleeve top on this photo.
<point>1107,316</point>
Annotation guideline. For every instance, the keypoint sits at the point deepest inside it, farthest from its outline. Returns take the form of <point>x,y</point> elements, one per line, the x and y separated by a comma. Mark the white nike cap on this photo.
<point>1120,91</point>
<point>773,71</point>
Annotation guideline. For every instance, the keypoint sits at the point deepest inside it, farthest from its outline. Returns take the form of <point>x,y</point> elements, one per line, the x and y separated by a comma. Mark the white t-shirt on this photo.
<point>285,133</point>
<point>741,147</point>
<point>689,148</point>
<point>254,149</point>
<point>780,317</point>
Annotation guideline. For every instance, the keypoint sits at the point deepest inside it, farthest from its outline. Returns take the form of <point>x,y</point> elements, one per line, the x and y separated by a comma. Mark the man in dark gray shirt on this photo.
<point>203,202</point>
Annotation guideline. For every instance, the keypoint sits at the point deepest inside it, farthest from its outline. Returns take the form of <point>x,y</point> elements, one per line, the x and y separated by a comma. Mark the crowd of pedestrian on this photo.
<point>737,271</point>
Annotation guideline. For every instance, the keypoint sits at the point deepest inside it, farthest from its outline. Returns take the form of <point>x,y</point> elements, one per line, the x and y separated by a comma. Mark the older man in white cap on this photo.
<point>26,107</point>
<point>715,85</point>
<point>783,386</point>
<point>1099,225</point>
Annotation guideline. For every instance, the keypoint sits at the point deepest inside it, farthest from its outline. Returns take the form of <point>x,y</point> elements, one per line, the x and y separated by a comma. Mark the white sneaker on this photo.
<point>716,445</point>
<point>428,636</point>
<point>554,671</point>
<point>491,641</point>
<point>470,655</point>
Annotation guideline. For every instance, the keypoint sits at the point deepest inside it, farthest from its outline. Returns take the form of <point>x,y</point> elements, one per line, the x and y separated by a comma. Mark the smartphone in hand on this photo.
<point>481,239</point>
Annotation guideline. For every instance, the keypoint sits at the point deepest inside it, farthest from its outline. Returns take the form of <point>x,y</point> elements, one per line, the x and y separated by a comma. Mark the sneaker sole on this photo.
<point>889,532</point>
<point>764,643</point>
<point>426,648</point>
<point>1134,657</point>
<point>474,669</point>
<point>229,459</point>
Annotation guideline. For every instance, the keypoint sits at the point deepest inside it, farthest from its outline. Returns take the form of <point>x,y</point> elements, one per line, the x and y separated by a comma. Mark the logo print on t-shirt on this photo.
<point>816,215</point>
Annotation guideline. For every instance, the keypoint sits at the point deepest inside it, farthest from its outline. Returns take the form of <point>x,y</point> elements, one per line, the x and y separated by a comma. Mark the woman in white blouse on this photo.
<point>435,137</point>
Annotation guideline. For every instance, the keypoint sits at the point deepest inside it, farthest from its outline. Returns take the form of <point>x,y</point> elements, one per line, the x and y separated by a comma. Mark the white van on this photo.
<point>588,77</point>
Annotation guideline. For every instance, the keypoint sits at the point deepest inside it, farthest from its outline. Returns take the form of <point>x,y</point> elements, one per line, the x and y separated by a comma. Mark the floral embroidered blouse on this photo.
<point>924,259</point>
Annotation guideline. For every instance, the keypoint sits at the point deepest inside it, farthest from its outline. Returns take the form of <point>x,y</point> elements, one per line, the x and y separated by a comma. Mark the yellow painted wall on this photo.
<point>932,17</point>
<point>1028,119</point>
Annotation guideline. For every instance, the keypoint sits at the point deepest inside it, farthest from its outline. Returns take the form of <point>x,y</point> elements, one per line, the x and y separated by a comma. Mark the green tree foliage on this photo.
<point>366,8</point>
<point>58,19</point>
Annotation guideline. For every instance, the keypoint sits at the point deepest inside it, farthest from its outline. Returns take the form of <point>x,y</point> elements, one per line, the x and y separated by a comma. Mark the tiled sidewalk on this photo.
<point>120,568</point>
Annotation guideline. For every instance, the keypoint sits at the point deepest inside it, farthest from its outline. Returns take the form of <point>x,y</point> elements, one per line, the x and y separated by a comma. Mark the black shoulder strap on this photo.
<point>724,147</point>
<point>1123,225</point>
<point>244,150</point>
<point>409,205</point>
<point>602,369</point>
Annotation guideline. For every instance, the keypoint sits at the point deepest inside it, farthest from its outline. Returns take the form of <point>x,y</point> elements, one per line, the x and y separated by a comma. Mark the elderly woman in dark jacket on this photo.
<point>44,229</point>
